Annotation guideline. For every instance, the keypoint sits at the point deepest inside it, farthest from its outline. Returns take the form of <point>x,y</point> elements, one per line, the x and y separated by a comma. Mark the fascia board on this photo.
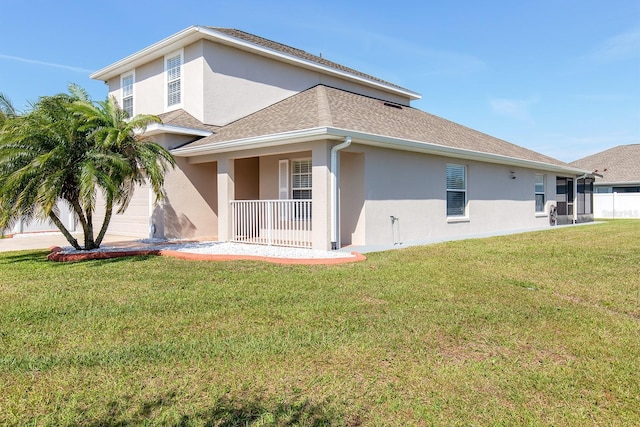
<point>441,150</point>
<point>194,33</point>
<point>156,50</point>
<point>372,140</point>
<point>157,128</point>
<point>284,138</point>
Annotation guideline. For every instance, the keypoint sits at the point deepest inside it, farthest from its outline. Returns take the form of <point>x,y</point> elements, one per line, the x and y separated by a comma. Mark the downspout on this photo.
<point>335,243</point>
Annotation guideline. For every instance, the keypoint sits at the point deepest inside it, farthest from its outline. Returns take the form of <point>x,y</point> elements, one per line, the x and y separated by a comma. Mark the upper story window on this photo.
<point>539,192</point>
<point>173,72</point>
<point>126,83</point>
<point>456,190</point>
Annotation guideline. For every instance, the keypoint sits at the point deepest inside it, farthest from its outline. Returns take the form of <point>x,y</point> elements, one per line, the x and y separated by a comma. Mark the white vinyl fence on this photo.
<point>616,205</point>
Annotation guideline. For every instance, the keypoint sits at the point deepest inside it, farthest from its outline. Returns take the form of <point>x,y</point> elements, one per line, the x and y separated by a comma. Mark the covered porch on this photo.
<point>275,197</point>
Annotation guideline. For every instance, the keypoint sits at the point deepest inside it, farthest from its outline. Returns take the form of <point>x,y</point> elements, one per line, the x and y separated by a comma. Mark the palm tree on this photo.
<point>6,109</point>
<point>67,148</point>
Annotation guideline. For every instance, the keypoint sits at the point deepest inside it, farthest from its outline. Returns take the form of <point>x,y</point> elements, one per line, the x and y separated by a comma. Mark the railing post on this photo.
<point>269,223</point>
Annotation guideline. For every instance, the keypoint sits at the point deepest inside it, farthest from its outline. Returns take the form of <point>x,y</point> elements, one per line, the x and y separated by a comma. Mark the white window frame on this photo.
<point>168,80</point>
<point>462,191</point>
<point>537,193</point>
<point>294,174</point>
<point>123,95</point>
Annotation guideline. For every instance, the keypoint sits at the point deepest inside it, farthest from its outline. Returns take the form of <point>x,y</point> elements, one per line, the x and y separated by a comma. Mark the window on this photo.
<point>301,179</point>
<point>126,82</point>
<point>456,190</point>
<point>173,71</point>
<point>539,191</point>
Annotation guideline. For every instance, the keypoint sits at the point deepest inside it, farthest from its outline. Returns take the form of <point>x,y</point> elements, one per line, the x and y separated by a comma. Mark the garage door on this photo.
<point>134,222</point>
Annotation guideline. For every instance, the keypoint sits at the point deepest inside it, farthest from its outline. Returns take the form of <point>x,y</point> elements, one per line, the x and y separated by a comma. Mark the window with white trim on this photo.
<point>173,71</point>
<point>301,183</point>
<point>126,84</point>
<point>539,193</point>
<point>456,190</point>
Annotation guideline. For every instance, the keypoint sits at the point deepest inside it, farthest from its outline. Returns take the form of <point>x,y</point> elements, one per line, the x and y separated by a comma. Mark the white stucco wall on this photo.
<point>412,188</point>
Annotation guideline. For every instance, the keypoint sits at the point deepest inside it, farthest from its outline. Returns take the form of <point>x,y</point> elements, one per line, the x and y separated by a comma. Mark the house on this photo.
<point>617,182</point>
<point>275,145</point>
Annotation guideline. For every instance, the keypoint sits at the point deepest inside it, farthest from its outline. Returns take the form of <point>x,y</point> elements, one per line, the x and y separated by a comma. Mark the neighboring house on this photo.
<point>617,183</point>
<point>275,145</point>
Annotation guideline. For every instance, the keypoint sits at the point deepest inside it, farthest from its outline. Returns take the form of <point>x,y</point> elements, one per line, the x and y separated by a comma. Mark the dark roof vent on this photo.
<point>389,104</point>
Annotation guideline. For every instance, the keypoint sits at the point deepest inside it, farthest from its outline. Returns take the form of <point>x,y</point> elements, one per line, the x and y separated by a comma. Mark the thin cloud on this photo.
<point>620,47</point>
<point>413,55</point>
<point>514,108</point>
<point>45,64</point>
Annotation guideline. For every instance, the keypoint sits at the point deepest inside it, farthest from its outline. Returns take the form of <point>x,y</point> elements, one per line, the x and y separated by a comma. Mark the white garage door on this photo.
<point>134,221</point>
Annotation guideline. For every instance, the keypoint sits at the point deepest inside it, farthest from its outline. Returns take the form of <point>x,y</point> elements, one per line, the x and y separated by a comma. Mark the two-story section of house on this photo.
<point>278,146</point>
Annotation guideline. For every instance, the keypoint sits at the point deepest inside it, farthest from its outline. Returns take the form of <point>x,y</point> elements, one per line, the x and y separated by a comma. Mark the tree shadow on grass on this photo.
<point>24,256</point>
<point>229,411</point>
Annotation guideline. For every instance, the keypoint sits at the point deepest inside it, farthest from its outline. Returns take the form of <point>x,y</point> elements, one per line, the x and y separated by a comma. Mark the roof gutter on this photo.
<point>335,195</point>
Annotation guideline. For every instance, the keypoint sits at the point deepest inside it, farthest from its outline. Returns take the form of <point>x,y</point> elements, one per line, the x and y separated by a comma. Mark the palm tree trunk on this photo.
<point>89,243</point>
<point>64,230</point>
<point>105,223</point>
<point>80,214</point>
<point>86,223</point>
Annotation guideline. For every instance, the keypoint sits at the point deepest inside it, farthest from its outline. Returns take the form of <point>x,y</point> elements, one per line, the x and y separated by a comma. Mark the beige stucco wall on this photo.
<point>352,198</point>
<point>238,83</point>
<point>221,84</point>
<point>269,165</point>
<point>247,178</point>
<point>148,89</point>
<point>190,206</point>
<point>412,187</point>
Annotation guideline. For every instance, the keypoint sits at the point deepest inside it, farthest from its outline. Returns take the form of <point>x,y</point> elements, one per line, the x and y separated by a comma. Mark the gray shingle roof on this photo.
<point>616,165</point>
<point>323,106</point>
<point>260,41</point>
<point>183,119</point>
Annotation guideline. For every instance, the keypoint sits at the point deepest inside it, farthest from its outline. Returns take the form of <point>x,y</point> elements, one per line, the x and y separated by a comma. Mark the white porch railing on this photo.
<point>271,222</point>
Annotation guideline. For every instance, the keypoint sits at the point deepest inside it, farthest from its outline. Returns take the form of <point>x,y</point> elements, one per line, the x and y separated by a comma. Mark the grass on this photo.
<point>532,329</point>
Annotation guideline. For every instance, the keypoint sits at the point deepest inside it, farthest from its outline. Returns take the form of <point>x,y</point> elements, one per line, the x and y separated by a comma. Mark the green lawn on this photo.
<point>532,329</point>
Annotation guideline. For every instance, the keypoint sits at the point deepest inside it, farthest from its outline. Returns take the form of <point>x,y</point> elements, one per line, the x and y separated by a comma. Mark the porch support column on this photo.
<point>321,196</point>
<point>226,193</point>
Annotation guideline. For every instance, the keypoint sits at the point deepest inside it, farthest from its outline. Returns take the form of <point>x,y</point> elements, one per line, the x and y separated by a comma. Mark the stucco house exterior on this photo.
<point>275,145</point>
<point>617,181</point>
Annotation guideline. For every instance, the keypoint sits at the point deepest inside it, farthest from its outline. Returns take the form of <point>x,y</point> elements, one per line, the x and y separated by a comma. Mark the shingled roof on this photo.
<point>617,165</point>
<point>323,106</point>
<point>181,118</point>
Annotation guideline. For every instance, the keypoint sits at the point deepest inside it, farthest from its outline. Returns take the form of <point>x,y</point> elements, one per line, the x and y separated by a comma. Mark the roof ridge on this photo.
<point>324,109</point>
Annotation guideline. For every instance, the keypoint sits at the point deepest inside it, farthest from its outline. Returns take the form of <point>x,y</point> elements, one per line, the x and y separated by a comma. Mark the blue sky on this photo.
<point>559,77</point>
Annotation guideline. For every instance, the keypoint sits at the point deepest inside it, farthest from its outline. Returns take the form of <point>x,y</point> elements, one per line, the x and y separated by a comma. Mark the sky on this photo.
<point>561,77</point>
